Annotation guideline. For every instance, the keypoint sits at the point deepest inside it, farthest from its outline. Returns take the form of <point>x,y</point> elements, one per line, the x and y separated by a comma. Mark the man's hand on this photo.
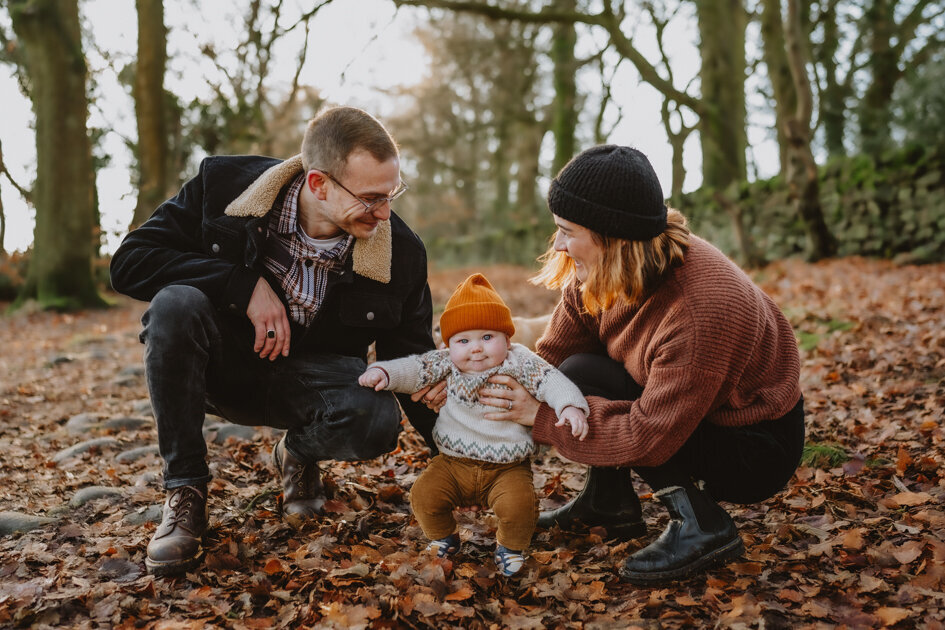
<point>374,377</point>
<point>577,419</point>
<point>267,314</point>
<point>433,396</point>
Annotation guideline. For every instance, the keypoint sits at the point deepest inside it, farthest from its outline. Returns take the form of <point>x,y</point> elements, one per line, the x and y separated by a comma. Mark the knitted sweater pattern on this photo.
<point>707,344</point>
<point>460,429</point>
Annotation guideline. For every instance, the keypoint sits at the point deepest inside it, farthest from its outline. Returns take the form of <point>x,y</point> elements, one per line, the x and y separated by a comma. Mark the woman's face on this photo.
<point>578,243</point>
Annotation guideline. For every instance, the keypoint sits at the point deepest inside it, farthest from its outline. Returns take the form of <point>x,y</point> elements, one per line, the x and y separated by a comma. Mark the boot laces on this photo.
<point>180,503</point>
<point>303,479</point>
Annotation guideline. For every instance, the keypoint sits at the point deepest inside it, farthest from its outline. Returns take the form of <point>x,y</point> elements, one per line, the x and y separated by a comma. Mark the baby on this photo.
<point>481,461</point>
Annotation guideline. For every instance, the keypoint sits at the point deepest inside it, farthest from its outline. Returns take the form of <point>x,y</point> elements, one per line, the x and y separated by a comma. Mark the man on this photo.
<point>268,280</point>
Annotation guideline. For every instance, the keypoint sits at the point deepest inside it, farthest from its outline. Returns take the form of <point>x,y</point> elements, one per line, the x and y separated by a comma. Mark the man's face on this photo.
<point>478,350</point>
<point>368,180</point>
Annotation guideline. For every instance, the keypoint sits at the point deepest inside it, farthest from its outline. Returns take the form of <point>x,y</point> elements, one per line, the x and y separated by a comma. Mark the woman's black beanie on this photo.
<point>612,190</point>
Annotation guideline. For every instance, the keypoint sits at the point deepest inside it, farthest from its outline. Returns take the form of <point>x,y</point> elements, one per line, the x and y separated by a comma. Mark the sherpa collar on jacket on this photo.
<point>371,257</point>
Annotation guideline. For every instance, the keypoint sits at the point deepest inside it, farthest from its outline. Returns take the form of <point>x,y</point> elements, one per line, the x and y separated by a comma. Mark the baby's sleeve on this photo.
<point>415,372</point>
<point>546,383</point>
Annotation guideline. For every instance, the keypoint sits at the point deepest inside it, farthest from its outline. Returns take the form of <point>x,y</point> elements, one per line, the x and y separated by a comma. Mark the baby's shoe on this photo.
<point>508,560</point>
<point>445,546</point>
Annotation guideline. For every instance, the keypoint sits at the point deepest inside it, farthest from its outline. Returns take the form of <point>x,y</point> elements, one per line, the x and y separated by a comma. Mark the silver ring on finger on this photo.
<point>510,405</point>
<point>271,333</point>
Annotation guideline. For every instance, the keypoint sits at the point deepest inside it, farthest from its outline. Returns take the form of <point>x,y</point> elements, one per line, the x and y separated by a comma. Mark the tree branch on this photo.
<point>608,19</point>
<point>26,194</point>
<point>909,24</point>
<point>544,16</point>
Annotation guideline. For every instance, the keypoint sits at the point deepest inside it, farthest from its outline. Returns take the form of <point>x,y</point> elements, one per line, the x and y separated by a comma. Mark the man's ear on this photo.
<point>316,183</point>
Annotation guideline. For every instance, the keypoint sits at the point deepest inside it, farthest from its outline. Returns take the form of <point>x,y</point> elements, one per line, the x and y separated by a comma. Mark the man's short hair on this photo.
<point>335,134</point>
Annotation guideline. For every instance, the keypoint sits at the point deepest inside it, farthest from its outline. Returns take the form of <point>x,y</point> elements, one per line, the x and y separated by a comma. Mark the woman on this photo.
<point>691,371</point>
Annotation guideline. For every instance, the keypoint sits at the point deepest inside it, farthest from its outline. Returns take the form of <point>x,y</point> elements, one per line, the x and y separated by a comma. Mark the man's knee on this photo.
<point>384,429</point>
<point>174,309</point>
<point>368,428</point>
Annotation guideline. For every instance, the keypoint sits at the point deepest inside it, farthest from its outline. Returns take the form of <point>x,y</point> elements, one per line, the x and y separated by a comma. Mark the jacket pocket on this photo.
<point>370,310</point>
<point>223,240</point>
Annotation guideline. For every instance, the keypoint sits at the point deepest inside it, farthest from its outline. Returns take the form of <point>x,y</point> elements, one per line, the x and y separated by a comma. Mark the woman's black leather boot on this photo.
<point>699,533</point>
<point>607,500</point>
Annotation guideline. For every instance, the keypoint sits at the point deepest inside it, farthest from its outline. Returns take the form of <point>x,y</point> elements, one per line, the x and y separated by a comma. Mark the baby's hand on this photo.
<point>373,377</point>
<point>577,419</point>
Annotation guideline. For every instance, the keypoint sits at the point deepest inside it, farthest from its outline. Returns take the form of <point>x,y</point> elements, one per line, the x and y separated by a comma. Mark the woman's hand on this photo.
<point>514,405</point>
<point>433,396</point>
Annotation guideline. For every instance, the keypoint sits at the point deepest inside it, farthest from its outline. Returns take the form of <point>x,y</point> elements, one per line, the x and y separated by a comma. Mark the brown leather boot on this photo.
<point>175,546</point>
<point>303,495</point>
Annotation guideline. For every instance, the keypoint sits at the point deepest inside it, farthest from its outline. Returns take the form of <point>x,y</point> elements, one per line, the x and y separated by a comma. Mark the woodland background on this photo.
<point>848,238</point>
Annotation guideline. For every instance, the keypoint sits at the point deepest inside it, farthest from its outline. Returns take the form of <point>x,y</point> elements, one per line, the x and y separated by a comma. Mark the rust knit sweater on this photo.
<point>707,344</point>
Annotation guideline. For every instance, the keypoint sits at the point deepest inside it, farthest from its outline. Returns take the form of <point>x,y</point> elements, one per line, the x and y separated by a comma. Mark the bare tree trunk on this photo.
<point>802,176</point>
<point>779,73</point>
<point>721,108</point>
<point>564,118</point>
<point>60,268</point>
<point>3,227</point>
<point>884,71</point>
<point>501,163</point>
<point>833,93</point>
<point>150,110</point>
<point>750,256</point>
<point>529,169</point>
<point>722,131</point>
<point>677,140</point>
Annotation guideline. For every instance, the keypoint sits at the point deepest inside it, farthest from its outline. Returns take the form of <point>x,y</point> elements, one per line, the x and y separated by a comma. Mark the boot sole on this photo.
<point>730,551</point>
<point>173,567</point>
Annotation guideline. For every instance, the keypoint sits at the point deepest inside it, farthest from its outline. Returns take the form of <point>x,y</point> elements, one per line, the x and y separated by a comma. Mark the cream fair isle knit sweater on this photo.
<point>460,429</point>
<point>707,344</point>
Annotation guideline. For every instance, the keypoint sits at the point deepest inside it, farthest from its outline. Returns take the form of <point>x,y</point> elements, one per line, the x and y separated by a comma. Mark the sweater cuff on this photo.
<point>544,429</point>
<point>386,374</point>
<point>239,289</point>
<point>568,446</point>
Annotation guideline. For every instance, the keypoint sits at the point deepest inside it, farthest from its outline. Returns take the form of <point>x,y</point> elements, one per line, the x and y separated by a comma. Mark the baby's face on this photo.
<point>478,350</point>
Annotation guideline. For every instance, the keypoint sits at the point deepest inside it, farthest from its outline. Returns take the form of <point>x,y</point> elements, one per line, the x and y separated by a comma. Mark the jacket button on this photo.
<point>259,229</point>
<point>370,317</point>
<point>215,248</point>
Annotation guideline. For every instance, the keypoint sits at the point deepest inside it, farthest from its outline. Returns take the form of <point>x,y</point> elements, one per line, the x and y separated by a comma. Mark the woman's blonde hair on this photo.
<point>627,270</point>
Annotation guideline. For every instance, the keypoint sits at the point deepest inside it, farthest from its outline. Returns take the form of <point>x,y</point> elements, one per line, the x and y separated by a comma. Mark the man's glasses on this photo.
<point>369,206</point>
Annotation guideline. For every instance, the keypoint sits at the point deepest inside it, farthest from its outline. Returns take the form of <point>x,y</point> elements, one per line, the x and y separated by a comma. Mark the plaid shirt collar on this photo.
<point>287,220</point>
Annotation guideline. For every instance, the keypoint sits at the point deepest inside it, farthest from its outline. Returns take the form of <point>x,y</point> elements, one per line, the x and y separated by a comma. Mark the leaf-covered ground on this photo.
<point>856,540</point>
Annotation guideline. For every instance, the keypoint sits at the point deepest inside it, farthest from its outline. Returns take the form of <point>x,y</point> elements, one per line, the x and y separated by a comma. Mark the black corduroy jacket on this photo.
<point>212,236</point>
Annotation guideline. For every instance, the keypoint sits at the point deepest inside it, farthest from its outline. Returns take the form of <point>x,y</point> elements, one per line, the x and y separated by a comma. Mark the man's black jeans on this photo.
<point>194,357</point>
<point>738,464</point>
